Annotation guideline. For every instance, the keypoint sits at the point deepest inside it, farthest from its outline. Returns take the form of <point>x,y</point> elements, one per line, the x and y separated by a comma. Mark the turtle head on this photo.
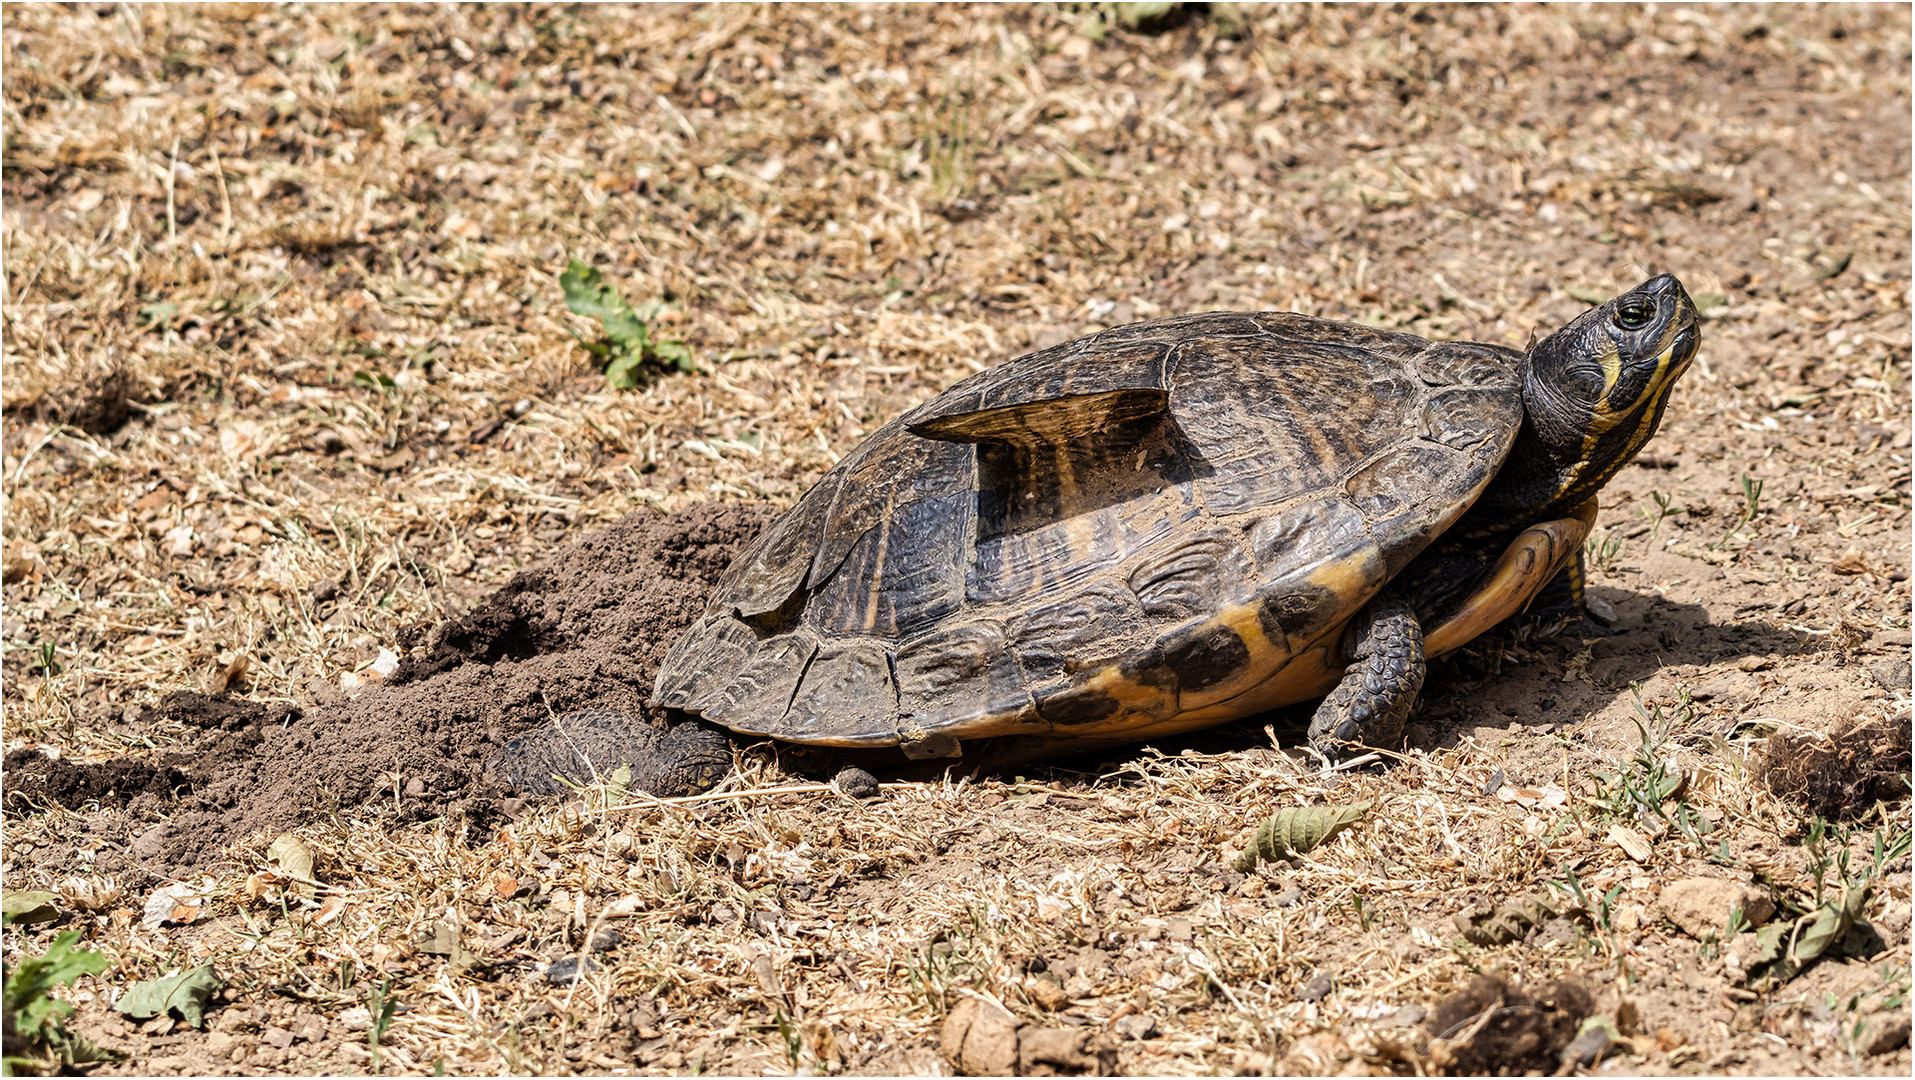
<point>1595,390</point>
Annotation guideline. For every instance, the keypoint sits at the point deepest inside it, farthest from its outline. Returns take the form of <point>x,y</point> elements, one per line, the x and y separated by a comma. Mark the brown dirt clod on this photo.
<point>1845,774</point>
<point>1492,1027</point>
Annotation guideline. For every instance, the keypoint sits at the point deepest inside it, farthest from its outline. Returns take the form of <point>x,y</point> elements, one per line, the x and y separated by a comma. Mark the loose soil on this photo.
<point>289,385</point>
<point>586,629</point>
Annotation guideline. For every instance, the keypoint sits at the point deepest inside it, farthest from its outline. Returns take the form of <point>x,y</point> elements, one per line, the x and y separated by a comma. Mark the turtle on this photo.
<point>1174,524</point>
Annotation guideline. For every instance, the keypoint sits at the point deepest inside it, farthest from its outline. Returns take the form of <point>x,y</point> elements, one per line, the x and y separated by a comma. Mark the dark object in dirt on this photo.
<point>591,744</point>
<point>1892,674</point>
<point>1494,1028</point>
<point>1843,775</point>
<point>856,783</point>
<point>584,630</point>
<point>569,969</point>
<point>1318,987</point>
<point>982,1039</point>
<point>1598,1034</point>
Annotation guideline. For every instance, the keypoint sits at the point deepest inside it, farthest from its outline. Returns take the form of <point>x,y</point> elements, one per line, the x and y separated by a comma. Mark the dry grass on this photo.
<point>316,249</point>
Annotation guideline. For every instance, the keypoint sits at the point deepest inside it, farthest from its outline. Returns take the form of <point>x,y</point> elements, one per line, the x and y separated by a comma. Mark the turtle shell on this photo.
<point>1158,527</point>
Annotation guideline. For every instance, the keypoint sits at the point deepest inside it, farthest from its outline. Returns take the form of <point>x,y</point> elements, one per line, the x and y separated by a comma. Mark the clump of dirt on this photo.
<point>1491,1027</point>
<point>1842,775</point>
<point>586,629</point>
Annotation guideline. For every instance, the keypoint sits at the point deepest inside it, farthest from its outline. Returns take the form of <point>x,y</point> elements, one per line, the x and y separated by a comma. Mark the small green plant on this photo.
<point>46,663</point>
<point>1601,550</point>
<point>793,1038</point>
<point>627,344</point>
<point>37,1037</point>
<point>1751,499</point>
<point>1665,508</point>
<point>380,1004</point>
<point>1648,786</point>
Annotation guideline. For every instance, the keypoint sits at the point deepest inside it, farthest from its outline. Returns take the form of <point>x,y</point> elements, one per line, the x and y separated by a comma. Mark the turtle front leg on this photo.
<point>1384,645</point>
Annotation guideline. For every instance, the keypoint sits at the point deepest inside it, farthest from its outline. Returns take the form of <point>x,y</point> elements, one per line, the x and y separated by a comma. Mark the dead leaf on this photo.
<point>1633,843</point>
<point>292,855</point>
<point>1852,562</point>
<point>177,903</point>
<point>241,439</point>
<point>330,910</point>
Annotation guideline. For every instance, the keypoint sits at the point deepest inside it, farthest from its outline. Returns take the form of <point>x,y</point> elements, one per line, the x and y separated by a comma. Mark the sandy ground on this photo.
<point>289,384</point>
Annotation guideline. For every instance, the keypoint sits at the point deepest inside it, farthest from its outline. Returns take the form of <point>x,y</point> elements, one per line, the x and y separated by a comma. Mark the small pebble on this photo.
<point>856,783</point>
<point>1289,897</point>
<point>568,969</point>
<point>1318,987</point>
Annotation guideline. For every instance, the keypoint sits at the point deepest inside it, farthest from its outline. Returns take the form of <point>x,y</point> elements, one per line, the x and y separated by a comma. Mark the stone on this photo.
<point>1737,688</point>
<point>1701,907</point>
<point>1046,992</point>
<point>856,782</point>
<point>1892,673</point>
<point>1062,1051</point>
<point>981,1038</point>
<point>1886,1033</point>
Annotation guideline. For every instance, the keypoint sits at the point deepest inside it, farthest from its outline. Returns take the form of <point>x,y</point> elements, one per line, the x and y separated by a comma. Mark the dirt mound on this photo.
<point>584,630</point>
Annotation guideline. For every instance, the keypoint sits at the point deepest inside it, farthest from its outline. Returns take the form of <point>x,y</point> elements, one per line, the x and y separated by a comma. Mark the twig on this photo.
<point>172,177</point>
<point>1457,296</point>
<point>225,203</point>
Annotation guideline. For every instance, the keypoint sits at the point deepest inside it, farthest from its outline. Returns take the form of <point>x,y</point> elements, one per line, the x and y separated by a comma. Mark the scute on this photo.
<point>846,694</point>
<point>1138,532</point>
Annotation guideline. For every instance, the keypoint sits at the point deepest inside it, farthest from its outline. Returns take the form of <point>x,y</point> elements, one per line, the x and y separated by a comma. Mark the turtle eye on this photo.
<point>1634,313</point>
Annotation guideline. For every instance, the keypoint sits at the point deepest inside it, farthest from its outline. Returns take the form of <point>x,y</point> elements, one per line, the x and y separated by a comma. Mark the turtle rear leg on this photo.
<point>590,745</point>
<point>1385,648</point>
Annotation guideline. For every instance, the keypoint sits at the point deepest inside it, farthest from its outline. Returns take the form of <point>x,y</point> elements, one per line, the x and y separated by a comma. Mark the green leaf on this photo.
<point>1297,830</point>
<point>627,342</point>
<point>184,994</point>
<point>622,372</point>
<point>37,1018</point>
<point>29,907</point>
<point>1135,15</point>
<point>676,353</point>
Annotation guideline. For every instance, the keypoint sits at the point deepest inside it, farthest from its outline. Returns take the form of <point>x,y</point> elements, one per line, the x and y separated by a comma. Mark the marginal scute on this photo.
<point>1205,656</point>
<point>1296,612</point>
<point>959,675</point>
<point>756,699</point>
<point>1142,688</point>
<point>846,697</point>
<point>696,671</point>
